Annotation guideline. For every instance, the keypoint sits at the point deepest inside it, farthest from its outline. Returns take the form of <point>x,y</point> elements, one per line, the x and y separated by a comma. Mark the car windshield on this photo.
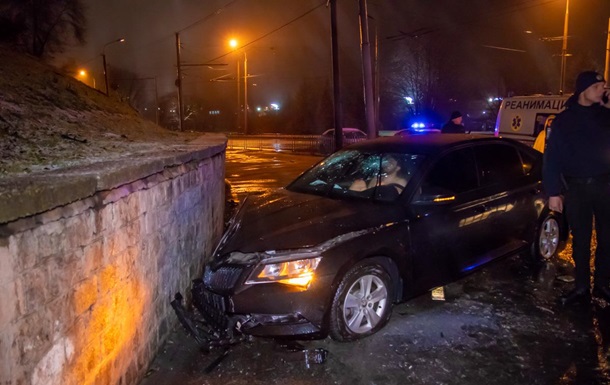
<point>356,174</point>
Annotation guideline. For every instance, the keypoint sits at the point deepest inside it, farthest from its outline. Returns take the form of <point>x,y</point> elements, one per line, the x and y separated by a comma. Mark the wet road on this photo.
<point>500,325</point>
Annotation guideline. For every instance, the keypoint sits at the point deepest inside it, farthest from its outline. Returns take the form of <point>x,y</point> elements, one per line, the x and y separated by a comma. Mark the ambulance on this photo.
<point>524,117</point>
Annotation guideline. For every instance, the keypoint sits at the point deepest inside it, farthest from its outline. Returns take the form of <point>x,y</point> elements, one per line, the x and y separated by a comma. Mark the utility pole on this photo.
<point>179,81</point>
<point>376,80</point>
<point>238,97</point>
<point>119,40</point>
<point>245,93</point>
<point>336,80</point>
<point>105,73</point>
<point>607,68</point>
<point>564,49</point>
<point>367,71</point>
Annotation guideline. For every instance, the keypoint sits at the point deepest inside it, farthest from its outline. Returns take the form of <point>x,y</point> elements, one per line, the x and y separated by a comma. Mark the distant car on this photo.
<point>326,142</point>
<point>321,257</point>
<point>417,131</point>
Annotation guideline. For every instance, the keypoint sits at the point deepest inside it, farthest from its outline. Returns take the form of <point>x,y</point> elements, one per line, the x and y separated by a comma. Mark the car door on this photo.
<point>447,232</point>
<point>509,192</point>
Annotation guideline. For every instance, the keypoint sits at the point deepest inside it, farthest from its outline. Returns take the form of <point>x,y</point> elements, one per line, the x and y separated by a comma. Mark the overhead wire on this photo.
<point>512,8</point>
<point>272,31</point>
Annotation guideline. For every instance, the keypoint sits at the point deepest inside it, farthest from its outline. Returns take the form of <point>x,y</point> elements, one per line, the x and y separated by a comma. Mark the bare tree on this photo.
<point>414,73</point>
<point>43,27</point>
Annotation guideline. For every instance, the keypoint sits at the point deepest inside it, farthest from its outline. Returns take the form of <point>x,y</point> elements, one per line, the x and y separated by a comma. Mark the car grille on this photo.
<point>211,306</point>
<point>223,278</point>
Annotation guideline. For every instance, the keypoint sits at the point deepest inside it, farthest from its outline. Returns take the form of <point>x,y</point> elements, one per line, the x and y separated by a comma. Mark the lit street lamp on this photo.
<point>120,40</point>
<point>83,76</point>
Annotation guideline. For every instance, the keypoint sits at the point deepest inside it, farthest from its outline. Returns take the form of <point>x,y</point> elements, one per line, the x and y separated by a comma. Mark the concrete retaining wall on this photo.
<point>85,286</point>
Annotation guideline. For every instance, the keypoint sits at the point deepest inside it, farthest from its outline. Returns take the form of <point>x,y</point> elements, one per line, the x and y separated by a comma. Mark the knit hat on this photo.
<point>585,80</point>
<point>455,115</point>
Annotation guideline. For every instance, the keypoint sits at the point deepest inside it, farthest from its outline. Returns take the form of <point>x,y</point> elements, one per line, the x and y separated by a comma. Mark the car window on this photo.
<point>452,174</point>
<point>498,164</point>
<point>532,162</point>
<point>354,174</point>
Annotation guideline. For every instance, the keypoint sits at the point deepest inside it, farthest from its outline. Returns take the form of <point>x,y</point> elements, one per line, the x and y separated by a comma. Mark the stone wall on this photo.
<point>85,286</point>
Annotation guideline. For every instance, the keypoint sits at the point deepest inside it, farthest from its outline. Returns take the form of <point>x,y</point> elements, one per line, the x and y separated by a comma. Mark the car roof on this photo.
<point>426,144</point>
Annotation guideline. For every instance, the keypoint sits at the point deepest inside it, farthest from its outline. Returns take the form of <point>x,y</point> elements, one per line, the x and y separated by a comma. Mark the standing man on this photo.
<point>454,125</point>
<point>579,153</point>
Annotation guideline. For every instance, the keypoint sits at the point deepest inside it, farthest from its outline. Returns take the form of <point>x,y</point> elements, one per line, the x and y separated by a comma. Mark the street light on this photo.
<point>83,76</point>
<point>120,40</point>
<point>234,44</point>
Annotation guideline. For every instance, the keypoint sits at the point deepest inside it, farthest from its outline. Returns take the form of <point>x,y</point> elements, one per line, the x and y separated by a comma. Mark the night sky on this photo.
<point>300,46</point>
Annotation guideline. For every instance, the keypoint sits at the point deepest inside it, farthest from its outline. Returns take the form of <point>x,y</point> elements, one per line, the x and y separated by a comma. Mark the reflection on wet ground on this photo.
<point>500,325</point>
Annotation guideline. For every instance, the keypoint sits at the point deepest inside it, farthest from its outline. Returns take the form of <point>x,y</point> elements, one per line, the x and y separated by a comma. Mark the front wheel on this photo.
<point>362,304</point>
<point>546,244</point>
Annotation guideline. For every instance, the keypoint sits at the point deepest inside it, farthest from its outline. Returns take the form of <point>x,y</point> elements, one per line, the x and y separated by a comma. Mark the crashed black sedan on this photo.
<point>372,225</point>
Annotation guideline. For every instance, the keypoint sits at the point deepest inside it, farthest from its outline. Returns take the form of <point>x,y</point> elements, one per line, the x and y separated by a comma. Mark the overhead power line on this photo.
<point>523,5</point>
<point>272,31</point>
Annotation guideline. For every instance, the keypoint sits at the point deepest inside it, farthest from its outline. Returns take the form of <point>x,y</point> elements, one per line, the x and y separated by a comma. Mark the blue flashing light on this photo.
<point>417,126</point>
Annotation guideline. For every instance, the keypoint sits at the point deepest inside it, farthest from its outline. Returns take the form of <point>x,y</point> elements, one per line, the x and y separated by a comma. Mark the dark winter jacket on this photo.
<point>579,146</point>
<point>452,128</point>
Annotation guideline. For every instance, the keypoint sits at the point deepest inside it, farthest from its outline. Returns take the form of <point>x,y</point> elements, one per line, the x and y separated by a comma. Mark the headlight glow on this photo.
<point>298,272</point>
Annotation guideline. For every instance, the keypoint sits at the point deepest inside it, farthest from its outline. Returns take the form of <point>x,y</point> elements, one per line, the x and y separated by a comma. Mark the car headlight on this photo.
<point>298,272</point>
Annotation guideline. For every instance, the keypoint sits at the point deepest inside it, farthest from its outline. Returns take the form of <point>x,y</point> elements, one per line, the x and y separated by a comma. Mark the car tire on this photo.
<point>548,238</point>
<point>362,303</point>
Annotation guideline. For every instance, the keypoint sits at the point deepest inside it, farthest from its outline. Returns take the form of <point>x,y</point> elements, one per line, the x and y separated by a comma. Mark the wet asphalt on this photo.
<point>500,325</point>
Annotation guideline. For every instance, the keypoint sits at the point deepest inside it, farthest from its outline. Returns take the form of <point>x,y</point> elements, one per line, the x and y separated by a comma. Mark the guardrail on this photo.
<point>301,144</point>
<point>304,144</point>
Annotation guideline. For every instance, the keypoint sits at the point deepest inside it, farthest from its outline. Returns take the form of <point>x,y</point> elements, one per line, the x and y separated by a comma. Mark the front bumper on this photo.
<point>228,310</point>
<point>268,310</point>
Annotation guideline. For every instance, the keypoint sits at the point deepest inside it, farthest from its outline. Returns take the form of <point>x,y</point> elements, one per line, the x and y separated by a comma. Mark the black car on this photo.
<point>372,225</point>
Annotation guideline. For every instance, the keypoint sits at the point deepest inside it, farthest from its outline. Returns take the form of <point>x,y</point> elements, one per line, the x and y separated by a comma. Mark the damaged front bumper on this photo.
<point>207,334</point>
<point>213,324</point>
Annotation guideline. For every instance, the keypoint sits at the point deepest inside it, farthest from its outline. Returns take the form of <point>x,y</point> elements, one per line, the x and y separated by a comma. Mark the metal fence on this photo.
<point>303,144</point>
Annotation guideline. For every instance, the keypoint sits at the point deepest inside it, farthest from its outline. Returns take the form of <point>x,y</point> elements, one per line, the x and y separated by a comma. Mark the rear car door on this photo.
<point>509,204</point>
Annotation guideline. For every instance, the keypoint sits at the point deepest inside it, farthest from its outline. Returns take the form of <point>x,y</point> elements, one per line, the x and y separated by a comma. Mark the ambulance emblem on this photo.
<point>516,125</point>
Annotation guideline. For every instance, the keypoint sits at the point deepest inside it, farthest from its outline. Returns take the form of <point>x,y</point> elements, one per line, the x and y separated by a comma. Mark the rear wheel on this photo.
<point>362,303</point>
<point>546,244</point>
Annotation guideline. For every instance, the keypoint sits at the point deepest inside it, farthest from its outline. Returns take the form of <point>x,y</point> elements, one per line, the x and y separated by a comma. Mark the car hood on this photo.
<point>283,220</point>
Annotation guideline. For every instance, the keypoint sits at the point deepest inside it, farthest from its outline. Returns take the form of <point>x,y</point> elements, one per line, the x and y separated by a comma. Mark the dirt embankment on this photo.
<point>49,121</point>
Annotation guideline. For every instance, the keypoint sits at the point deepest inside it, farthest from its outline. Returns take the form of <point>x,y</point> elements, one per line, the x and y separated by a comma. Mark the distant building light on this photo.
<point>258,109</point>
<point>409,99</point>
<point>275,107</point>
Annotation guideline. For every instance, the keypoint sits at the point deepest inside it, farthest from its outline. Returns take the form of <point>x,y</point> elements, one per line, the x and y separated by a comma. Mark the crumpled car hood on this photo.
<point>284,220</point>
